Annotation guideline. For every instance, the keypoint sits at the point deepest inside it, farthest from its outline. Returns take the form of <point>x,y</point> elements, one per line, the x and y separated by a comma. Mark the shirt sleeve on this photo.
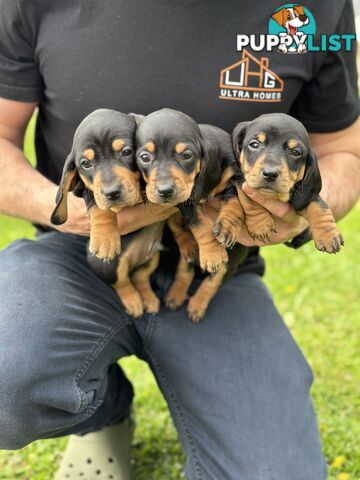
<point>20,77</point>
<point>330,101</point>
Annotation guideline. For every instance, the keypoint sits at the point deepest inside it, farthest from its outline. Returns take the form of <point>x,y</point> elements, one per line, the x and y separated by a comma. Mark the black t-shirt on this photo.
<point>138,56</point>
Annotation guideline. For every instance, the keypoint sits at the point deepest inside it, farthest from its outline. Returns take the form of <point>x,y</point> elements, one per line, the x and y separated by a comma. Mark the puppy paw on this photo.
<point>212,257</point>
<point>107,247</point>
<point>175,298</point>
<point>260,226</point>
<point>188,248</point>
<point>226,232</point>
<point>133,304</point>
<point>196,310</point>
<point>330,241</point>
<point>151,303</point>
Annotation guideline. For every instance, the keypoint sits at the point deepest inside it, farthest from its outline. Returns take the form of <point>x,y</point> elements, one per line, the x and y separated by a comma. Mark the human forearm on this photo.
<point>27,194</point>
<point>341,181</point>
<point>24,192</point>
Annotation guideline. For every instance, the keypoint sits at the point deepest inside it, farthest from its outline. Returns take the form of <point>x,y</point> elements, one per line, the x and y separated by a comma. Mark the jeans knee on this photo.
<point>17,427</point>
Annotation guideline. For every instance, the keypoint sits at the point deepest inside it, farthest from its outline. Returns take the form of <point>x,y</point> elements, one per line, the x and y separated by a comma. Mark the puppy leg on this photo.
<point>177,293</point>
<point>129,296</point>
<point>258,220</point>
<point>141,281</point>
<point>322,224</point>
<point>199,302</point>
<point>230,220</point>
<point>104,233</point>
<point>184,239</point>
<point>211,254</point>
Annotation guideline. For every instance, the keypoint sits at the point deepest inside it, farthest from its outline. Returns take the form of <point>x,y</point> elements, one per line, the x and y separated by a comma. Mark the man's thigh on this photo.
<point>60,329</point>
<point>238,388</point>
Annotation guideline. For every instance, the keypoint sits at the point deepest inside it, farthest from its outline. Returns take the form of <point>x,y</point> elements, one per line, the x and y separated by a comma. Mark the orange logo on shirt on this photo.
<point>250,80</point>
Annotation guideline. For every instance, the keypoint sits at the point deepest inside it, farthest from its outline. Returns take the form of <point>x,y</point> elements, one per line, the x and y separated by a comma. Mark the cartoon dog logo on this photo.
<point>292,19</point>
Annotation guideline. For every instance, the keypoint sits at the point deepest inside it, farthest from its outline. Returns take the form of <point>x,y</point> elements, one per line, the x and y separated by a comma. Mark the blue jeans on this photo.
<point>237,385</point>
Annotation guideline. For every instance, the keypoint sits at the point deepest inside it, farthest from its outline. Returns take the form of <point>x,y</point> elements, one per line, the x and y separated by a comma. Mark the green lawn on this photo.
<point>318,297</point>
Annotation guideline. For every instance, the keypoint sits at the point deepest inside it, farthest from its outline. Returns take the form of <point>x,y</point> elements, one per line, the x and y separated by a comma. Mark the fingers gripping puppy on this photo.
<point>277,161</point>
<point>180,167</point>
<point>102,169</point>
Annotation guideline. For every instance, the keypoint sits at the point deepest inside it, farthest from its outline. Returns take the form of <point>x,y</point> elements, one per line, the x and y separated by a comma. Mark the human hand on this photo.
<point>288,223</point>
<point>131,219</point>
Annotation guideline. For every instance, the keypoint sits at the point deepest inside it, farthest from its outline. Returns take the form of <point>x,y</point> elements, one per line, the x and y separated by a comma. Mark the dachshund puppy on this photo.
<point>101,168</point>
<point>277,161</point>
<point>186,164</point>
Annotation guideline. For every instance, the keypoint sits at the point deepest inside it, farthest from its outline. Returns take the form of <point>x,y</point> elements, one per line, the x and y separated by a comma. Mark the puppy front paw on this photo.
<point>328,241</point>
<point>226,231</point>
<point>106,248</point>
<point>260,226</point>
<point>212,256</point>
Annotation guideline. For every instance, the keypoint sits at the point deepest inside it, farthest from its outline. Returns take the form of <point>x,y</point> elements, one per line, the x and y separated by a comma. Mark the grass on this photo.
<point>318,296</point>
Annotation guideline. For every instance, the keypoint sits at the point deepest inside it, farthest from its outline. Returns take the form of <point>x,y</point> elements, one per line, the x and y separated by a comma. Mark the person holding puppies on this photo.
<point>236,384</point>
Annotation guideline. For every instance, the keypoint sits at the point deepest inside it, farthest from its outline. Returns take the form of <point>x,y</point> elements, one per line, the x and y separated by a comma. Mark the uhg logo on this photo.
<point>293,24</point>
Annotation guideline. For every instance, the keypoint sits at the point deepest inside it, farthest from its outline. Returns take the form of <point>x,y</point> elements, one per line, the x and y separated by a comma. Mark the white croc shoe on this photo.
<point>102,455</point>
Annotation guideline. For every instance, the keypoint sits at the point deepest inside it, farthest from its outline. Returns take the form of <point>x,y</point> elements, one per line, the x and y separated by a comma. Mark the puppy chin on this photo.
<point>175,200</point>
<point>270,190</point>
<point>102,203</point>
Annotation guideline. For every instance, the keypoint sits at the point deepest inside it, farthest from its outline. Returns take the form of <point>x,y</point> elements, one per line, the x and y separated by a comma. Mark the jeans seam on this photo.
<point>97,349</point>
<point>195,456</point>
<point>149,330</point>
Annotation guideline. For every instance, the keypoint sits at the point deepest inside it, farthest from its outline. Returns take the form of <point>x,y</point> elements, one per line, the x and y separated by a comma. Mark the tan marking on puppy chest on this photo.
<point>89,154</point>
<point>117,144</point>
<point>292,143</point>
<point>150,147</point>
<point>180,147</point>
<point>261,137</point>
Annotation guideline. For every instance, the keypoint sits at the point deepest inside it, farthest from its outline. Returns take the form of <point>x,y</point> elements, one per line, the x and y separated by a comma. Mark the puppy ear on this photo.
<point>138,118</point>
<point>309,187</point>
<point>209,166</point>
<point>279,17</point>
<point>299,9</point>
<point>67,184</point>
<point>238,136</point>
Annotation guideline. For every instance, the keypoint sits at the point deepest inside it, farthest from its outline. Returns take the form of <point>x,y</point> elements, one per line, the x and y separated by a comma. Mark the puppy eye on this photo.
<point>187,155</point>
<point>145,157</point>
<point>254,145</point>
<point>127,152</point>
<point>296,153</point>
<point>85,164</point>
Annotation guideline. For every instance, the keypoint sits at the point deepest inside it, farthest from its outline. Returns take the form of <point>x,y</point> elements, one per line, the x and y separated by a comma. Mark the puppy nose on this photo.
<point>270,174</point>
<point>166,190</point>
<point>303,18</point>
<point>112,193</point>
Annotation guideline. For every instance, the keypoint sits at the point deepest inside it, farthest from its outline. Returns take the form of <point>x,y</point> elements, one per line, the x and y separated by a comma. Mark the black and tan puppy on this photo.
<point>186,164</point>
<point>101,168</point>
<point>277,161</point>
